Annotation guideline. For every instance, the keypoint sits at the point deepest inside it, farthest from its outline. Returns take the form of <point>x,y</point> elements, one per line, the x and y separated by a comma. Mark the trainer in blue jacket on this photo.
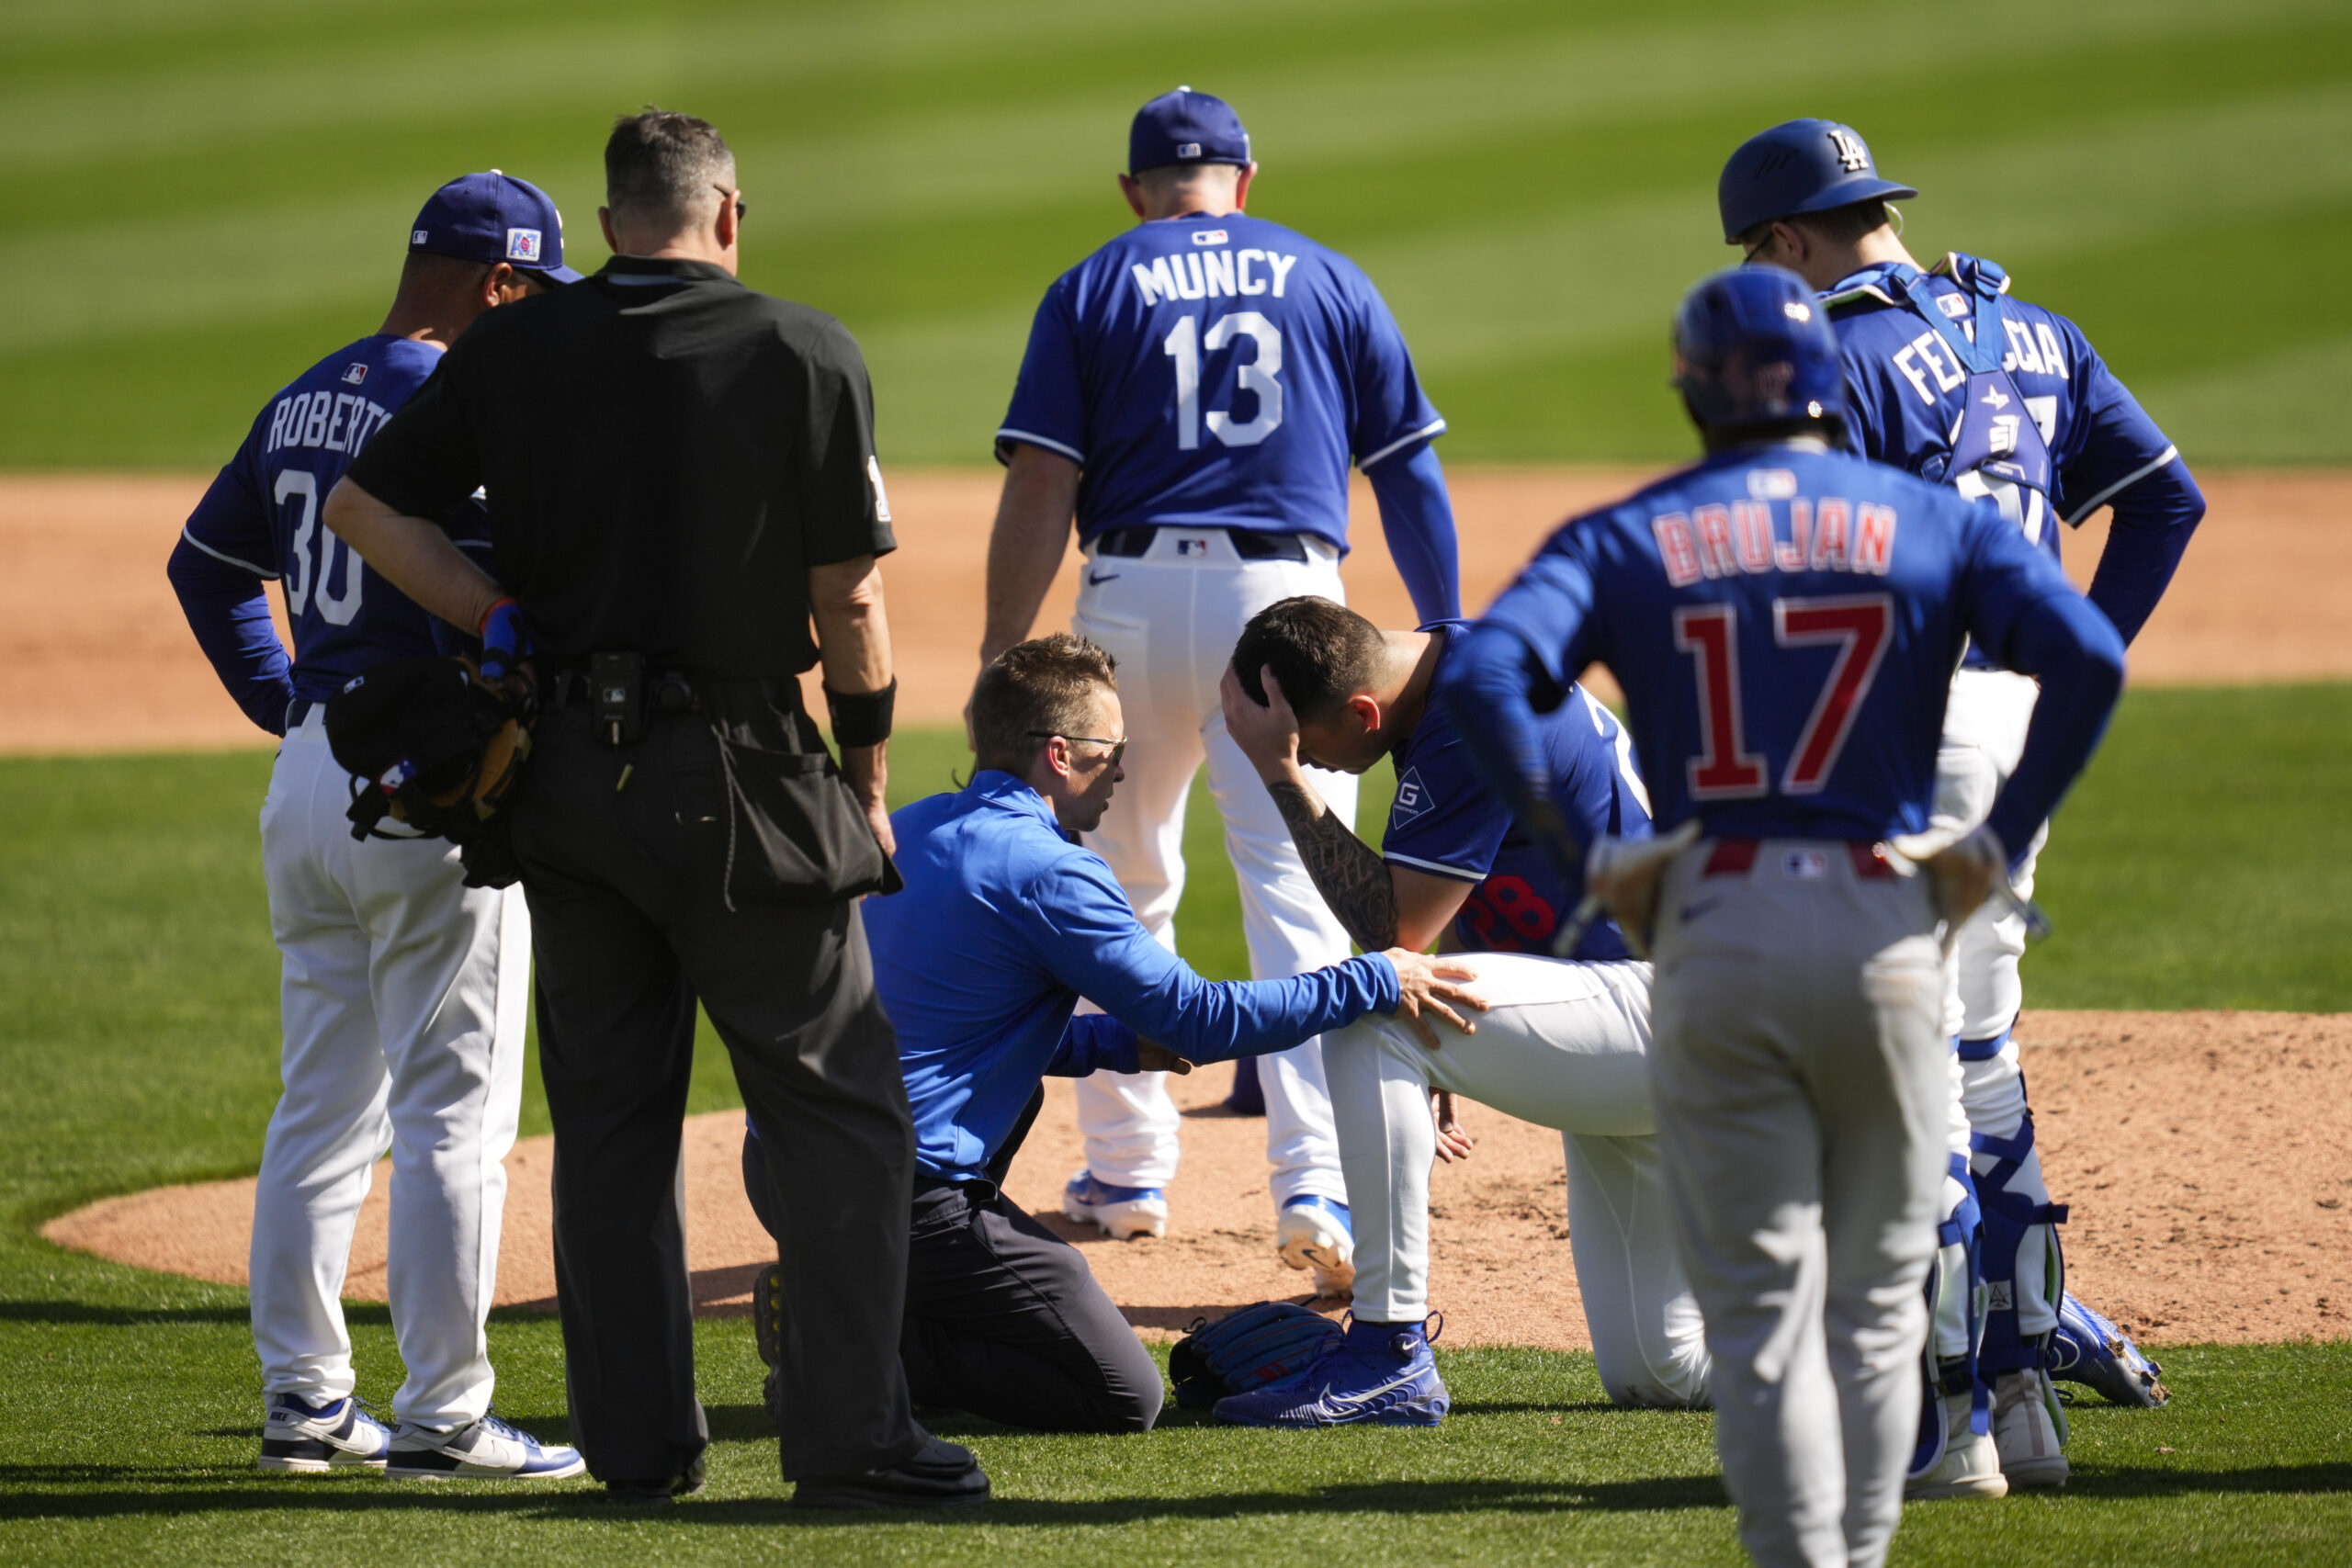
<point>1004,923</point>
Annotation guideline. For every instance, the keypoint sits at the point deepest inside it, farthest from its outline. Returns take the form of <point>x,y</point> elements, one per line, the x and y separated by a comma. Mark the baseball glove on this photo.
<point>1246,1349</point>
<point>430,744</point>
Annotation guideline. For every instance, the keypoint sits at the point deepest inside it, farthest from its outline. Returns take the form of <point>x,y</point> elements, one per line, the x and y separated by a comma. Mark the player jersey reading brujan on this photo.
<point>1756,607</point>
<point>1219,371</point>
<point>1445,822</point>
<point>261,513</point>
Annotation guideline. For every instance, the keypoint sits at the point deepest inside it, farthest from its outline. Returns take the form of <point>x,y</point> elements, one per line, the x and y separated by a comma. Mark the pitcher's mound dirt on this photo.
<point>2210,1175</point>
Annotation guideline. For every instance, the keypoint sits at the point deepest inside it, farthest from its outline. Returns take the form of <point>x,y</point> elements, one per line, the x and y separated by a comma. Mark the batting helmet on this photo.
<point>1805,165</point>
<point>1752,347</point>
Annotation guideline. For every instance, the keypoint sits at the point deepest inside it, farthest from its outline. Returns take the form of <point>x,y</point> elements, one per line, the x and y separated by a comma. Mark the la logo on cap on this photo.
<point>523,244</point>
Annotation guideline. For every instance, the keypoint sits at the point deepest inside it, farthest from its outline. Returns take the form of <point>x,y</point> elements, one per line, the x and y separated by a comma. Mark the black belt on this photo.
<point>297,711</point>
<point>1249,543</point>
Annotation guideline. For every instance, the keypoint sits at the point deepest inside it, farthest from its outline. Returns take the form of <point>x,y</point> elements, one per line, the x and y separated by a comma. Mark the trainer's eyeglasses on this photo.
<point>1118,747</point>
<point>741,207</point>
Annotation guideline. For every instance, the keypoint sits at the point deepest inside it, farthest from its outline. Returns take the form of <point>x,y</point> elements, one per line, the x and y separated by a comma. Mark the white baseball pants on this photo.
<point>1170,617</point>
<point>1986,721</point>
<point>1802,1084</point>
<point>1564,1045</point>
<point>403,996</point>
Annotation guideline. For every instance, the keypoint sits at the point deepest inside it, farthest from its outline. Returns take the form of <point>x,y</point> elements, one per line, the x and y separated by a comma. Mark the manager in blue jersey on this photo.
<point>1951,377</point>
<point>1784,620</point>
<point>1193,395</point>
<point>1004,923</point>
<point>404,992</point>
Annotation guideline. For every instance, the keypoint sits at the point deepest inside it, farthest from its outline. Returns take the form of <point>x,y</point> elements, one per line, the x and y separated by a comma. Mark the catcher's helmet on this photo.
<point>1804,165</point>
<point>1752,347</point>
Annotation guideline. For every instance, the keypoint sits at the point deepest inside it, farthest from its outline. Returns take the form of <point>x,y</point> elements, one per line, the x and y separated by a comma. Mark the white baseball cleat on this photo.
<point>1971,1466</point>
<point>1316,1232</point>
<point>2031,1429</point>
<point>489,1449</point>
<point>1123,1212</point>
<point>311,1439</point>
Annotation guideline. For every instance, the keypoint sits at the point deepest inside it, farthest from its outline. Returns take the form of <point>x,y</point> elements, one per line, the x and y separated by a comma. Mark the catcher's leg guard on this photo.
<point>1956,1297</point>
<point>2025,1272</point>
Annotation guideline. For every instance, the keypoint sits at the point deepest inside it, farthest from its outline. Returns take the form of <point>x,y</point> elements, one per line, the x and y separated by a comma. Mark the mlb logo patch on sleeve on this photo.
<point>522,244</point>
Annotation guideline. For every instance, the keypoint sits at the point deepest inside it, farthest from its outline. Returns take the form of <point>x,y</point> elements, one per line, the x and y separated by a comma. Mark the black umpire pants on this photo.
<point>1005,1320</point>
<point>623,876</point>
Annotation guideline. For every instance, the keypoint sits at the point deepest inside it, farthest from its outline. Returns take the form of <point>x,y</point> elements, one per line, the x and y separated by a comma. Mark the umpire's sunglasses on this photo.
<point>1118,747</point>
<point>741,207</point>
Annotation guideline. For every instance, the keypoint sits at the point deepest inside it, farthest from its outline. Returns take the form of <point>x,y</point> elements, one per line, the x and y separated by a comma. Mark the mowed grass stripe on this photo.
<point>923,173</point>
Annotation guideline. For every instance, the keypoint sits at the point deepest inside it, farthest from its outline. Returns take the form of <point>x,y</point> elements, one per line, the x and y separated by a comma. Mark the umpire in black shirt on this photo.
<point>680,476</point>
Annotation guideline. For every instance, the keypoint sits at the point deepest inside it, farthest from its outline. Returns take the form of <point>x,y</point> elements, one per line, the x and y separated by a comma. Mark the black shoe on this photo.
<point>938,1475</point>
<point>657,1493</point>
<point>767,1312</point>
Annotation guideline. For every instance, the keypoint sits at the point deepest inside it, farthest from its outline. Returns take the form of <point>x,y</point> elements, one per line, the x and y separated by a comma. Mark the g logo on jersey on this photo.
<point>1412,797</point>
<point>523,244</point>
<point>1851,153</point>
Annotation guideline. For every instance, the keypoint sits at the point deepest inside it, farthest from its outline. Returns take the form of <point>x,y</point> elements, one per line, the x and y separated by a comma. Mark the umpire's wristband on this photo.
<point>861,718</point>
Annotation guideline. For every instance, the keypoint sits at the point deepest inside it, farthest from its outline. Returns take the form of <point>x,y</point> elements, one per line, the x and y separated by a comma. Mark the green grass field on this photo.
<point>140,1048</point>
<point>204,198</point>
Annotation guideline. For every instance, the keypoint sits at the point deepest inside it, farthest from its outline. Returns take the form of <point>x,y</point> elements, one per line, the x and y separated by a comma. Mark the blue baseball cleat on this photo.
<point>1380,1372</point>
<point>2090,1350</point>
<point>1123,1212</point>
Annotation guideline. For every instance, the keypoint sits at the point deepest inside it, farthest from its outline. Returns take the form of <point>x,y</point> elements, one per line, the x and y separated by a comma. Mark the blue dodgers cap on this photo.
<point>1805,165</point>
<point>1186,127</point>
<point>493,218</point>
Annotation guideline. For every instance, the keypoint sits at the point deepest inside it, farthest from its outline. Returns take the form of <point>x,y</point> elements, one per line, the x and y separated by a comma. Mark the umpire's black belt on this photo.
<point>1249,543</point>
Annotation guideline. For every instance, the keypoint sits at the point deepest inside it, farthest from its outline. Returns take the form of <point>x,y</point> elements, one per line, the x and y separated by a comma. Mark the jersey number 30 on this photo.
<point>296,484</point>
<point>1725,768</point>
<point>1183,344</point>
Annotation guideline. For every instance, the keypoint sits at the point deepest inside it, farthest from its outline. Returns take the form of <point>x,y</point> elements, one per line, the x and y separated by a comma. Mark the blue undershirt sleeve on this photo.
<point>227,607</point>
<point>2147,535</point>
<point>1417,517</point>
<point>2068,645</point>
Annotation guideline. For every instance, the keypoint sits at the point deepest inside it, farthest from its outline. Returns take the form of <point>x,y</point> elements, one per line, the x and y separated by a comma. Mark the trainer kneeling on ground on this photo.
<point>1004,923</point>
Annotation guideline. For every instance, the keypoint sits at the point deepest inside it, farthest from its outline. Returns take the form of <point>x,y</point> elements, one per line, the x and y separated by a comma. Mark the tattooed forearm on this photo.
<point>1352,877</point>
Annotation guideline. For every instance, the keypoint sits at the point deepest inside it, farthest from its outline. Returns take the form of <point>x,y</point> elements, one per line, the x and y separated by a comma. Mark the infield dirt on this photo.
<point>97,658</point>
<point>2210,1177</point>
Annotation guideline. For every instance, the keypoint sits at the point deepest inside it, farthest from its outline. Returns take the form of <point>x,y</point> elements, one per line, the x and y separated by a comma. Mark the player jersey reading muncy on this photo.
<point>1219,372</point>
<point>1785,623</point>
<point>1446,822</point>
<point>262,514</point>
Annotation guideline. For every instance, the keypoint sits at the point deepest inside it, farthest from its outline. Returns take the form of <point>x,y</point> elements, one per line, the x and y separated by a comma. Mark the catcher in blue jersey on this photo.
<point>1950,376</point>
<point>1784,620</point>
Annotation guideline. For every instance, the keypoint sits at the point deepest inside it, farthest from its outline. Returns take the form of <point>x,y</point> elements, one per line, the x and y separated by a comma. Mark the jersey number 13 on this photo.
<point>1184,344</point>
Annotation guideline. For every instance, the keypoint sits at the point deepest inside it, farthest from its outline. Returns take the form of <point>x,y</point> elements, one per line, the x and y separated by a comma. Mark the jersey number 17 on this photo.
<point>1725,768</point>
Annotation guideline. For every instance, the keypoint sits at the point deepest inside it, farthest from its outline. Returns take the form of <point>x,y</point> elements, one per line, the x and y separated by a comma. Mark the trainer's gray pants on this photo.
<point>1800,1071</point>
